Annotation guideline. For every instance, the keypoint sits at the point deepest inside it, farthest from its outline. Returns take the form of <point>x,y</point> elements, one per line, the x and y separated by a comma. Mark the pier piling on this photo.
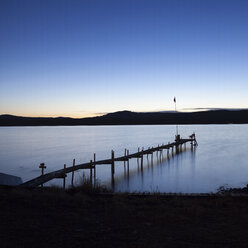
<point>112,168</point>
<point>94,169</point>
<point>91,168</point>
<point>72,175</point>
<point>64,176</point>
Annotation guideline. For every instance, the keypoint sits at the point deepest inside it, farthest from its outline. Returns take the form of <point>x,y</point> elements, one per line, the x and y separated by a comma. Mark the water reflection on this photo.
<point>156,163</point>
<point>192,162</point>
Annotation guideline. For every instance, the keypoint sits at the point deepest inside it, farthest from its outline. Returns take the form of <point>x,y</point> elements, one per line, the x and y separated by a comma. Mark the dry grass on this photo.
<point>80,217</point>
<point>86,186</point>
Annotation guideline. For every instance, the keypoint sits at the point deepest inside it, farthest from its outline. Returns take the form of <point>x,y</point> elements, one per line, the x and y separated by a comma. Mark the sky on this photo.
<point>80,58</point>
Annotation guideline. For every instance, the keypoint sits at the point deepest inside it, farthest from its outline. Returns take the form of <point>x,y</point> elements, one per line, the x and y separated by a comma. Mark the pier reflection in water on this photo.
<point>157,173</point>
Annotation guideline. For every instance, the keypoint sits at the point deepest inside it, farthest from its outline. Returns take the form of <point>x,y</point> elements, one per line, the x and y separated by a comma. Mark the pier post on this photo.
<point>128,162</point>
<point>125,154</point>
<point>94,169</point>
<point>72,175</point>
<point>43,167</point>
<point>195,142</point>
<point>137,157</point>
<point>91,167</point>
<point>152,158</point>
<point>113,162</point>
<point>177,149</point>
<point>112,169</point>
<point>141,163</point>
<point>64,176</point>
<point>177,139</point>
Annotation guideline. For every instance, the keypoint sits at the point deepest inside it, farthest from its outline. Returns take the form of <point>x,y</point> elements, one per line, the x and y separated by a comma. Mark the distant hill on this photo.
<point>134,118</point>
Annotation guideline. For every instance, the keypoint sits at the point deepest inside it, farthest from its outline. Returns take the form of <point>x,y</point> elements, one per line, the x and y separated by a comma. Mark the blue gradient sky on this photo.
<point>79,58</point>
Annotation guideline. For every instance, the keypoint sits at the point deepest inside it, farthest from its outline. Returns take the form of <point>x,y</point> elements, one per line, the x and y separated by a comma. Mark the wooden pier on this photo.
<point>177,145</point>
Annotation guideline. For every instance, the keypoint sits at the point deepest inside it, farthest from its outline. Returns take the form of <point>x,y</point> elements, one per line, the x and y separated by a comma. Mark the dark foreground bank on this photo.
<point>53,218</point>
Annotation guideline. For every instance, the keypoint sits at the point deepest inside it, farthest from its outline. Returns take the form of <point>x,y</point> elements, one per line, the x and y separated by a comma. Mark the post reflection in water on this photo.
<point>157,175</point>
<point>193,152</point>
<point>148,173</point>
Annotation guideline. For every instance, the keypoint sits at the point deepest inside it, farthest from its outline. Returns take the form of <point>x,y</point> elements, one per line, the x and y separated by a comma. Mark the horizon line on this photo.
<point>99,114</point>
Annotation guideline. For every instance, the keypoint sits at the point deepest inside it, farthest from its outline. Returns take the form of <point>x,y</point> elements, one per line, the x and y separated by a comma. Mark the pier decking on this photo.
<point>177,144</point>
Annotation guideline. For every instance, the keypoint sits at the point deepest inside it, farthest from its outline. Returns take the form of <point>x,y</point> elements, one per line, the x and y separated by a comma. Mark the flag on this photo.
<point>174,99</point>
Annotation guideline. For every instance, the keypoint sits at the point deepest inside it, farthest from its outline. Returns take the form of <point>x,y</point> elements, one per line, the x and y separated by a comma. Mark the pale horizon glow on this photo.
<point>83,58</point>
<point>85,115</point>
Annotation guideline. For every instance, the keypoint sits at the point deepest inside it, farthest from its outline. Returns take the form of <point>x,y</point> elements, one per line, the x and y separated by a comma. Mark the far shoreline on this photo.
<point>123,118</point>
<point>112,125</point>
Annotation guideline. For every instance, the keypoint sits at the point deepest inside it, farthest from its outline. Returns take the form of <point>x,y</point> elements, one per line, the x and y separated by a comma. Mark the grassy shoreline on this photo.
<point>51,217</point>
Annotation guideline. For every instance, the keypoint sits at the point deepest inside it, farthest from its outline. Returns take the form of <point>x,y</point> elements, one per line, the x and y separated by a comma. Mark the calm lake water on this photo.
<point>220,159</point>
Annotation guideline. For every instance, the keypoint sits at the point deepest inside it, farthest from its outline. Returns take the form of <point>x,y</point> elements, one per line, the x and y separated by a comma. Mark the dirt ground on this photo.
<point>53,218</point>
